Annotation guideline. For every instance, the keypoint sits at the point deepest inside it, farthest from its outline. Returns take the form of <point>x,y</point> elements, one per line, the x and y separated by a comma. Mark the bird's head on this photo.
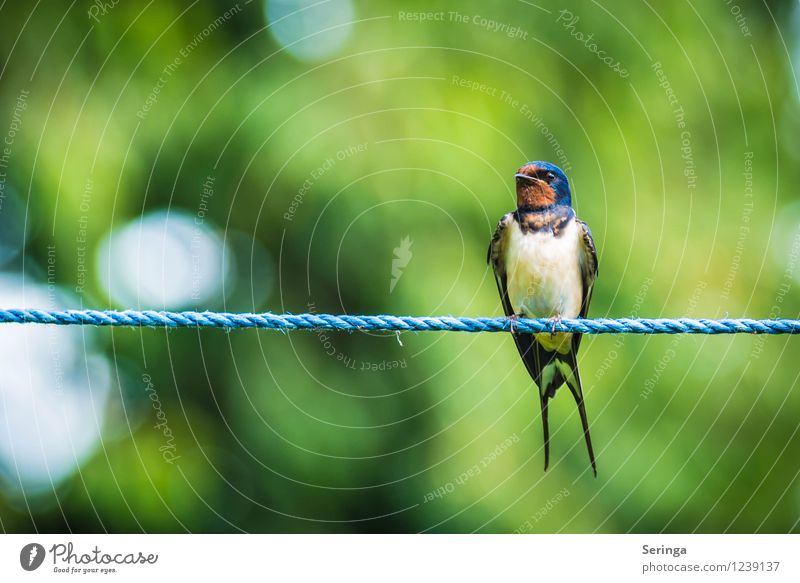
<point>541,185</point>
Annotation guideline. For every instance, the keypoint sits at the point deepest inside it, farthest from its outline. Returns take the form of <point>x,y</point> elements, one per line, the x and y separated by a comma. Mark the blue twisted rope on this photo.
<point>397,323</point>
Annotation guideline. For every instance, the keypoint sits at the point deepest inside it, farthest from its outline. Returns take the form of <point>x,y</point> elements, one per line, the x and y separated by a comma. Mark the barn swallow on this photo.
<point>545,265</point>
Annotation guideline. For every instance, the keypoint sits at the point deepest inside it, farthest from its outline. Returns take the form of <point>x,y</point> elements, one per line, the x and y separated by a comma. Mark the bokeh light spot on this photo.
<point>169,260</point>
<point>309,29</point>
<point>53,392</point>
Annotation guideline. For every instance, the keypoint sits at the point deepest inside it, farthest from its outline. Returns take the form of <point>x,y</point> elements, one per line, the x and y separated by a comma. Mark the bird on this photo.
<point>545,265</point>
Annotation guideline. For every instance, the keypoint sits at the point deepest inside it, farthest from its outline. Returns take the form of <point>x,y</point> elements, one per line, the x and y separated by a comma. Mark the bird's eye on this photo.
<point>550,177</point>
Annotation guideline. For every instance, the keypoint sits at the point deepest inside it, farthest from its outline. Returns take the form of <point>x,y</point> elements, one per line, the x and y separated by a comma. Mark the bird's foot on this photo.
<point>555,322</point>
<point>511,319</point>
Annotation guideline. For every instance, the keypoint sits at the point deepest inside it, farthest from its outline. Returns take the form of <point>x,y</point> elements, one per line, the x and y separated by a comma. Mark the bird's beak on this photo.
<point>526,177</point>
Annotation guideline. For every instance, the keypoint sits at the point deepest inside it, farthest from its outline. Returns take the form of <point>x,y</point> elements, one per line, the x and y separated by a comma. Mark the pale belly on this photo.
<point>544,277</point>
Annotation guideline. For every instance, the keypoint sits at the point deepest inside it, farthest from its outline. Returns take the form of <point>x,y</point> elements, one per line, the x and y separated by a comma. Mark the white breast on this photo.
<point>544,278</point>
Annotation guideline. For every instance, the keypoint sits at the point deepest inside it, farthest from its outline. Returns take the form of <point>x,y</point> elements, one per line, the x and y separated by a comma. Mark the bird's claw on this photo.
<point>511,319</point>
<point>555,322</point>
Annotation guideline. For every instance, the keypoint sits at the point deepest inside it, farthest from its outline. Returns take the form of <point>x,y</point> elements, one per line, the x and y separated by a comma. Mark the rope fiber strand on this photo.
<point>344,322</point>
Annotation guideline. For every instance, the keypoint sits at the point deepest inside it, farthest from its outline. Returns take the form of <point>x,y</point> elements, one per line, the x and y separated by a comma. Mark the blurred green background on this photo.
<point>353,156</point>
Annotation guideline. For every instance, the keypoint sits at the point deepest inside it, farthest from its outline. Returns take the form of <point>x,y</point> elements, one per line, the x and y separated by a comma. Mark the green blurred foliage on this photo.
<point>304,431</point>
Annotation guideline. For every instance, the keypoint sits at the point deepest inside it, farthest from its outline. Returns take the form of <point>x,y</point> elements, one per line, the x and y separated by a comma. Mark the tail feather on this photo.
<point>549,372</point>
<point>543,400</point>
<point>574,385</point>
